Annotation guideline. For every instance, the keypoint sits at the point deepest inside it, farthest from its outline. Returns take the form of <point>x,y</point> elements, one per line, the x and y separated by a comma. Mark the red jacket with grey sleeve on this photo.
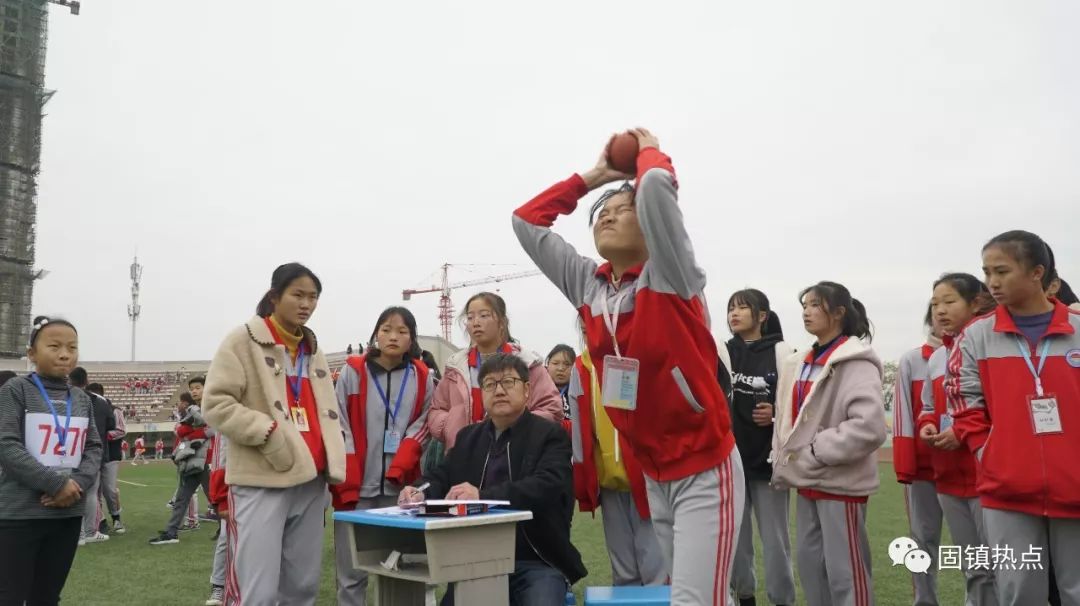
<point>681,425</point>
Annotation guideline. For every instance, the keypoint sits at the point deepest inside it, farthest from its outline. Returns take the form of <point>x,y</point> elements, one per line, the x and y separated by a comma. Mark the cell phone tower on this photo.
<point>23,39</point>
<point>134,309</point>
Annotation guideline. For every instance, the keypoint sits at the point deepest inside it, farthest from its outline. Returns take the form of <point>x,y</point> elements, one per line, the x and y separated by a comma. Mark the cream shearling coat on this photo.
<point>245,394</point>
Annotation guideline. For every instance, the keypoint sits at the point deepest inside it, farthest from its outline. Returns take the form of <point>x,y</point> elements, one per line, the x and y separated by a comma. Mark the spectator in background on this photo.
<point>159,449</point>
<point>429,361</point>
<point>6,375</point>
<point>193,473</point>
<point>116,449</point>
<point>140,449</point>
<point>123,450</point>
<point>104,422</point>
<point>559,364</point>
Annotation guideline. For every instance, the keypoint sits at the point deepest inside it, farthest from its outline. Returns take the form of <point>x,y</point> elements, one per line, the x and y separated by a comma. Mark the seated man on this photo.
<point>516,456</point>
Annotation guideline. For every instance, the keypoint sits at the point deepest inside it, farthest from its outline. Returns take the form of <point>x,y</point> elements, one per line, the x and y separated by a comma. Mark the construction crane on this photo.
<point>446,306</point>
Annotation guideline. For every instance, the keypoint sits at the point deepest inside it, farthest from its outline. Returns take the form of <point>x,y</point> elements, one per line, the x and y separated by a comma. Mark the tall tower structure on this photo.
<point>23,35</point>
<point>134,309</point>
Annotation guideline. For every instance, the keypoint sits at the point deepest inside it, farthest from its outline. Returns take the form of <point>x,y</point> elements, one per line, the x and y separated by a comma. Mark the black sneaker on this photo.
<point>103,527</point>
<point>751,601</point>
<point>164,539</point>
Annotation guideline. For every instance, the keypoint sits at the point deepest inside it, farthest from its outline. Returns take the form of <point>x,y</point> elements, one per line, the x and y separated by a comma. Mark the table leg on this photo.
<point>397,592</point>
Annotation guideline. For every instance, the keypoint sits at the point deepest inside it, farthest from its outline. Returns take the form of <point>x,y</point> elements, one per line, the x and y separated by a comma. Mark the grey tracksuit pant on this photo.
<point>924,520</point>
<point>631,542</point>
<point>772,509</point>
<point>1058,537</point>
<point>964,517</point>
<point>352,583</point>
<point>217,573</point>
<point>697,521</point>
<point>279,542</point>
<point>833,552</point>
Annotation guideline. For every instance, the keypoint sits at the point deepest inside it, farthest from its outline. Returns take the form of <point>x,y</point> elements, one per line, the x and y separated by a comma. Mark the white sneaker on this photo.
<point>118,527</point>
<point>217,596</point>
<point>97,537</point>
<point>82,541</point>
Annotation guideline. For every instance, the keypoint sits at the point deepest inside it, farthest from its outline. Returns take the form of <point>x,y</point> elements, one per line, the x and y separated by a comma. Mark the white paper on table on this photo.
<point>391,511</point>
<point>487,502</point>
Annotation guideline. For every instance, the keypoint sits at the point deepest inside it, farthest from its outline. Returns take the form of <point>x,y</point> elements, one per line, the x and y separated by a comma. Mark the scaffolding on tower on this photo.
<point>23,38</point>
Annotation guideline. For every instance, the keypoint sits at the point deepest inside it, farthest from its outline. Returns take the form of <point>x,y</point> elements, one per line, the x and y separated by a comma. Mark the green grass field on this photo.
<point>128,570</point>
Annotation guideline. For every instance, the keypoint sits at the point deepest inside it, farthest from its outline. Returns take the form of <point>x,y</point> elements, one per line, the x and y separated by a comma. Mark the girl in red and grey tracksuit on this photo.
<point>648,336</point>
<point>912,459</point>
<point>1014,395</point>
<point>608,476</point>
<point>384,397</point>
<point>957,300</point>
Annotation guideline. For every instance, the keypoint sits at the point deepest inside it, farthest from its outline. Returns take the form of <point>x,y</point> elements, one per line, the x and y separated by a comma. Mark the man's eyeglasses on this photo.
<point>507,383</point>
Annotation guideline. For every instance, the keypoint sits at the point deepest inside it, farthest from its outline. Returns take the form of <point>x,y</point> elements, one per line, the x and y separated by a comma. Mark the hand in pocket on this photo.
<point>277,451</point>
<point>808,465</point>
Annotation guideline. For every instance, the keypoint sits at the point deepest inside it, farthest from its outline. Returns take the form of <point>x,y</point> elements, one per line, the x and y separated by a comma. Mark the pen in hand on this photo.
<point>407,495</point>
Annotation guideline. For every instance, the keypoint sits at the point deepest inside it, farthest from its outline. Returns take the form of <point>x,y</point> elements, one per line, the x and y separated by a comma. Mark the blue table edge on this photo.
<point>411,522</point>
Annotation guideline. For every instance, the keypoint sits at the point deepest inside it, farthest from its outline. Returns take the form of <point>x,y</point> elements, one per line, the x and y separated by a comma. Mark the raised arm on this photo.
<point>559,261</point>
<point>672,266</point>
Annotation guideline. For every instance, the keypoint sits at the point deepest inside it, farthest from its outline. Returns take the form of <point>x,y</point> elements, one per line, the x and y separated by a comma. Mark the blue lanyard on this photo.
<point>295,383</point>
<point>400,393</point>
<point>1024,351</point>
<point>60,434</point>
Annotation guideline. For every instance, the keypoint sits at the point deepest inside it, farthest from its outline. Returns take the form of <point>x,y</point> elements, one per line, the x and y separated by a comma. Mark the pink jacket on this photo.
<point>450,408</point>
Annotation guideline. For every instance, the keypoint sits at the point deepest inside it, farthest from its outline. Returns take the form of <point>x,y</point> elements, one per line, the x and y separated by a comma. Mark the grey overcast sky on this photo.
<point>873,143</point>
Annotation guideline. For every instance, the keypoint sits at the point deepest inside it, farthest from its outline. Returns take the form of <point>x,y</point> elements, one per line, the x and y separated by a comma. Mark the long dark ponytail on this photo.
<point>836,296</point>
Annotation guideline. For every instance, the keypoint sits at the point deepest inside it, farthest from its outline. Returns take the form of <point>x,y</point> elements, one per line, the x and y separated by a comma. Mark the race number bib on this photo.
<point>620,382</point>
<point>43,440</point>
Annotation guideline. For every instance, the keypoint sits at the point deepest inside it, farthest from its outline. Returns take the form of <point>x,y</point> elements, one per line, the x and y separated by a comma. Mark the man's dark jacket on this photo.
<point>542,482</point>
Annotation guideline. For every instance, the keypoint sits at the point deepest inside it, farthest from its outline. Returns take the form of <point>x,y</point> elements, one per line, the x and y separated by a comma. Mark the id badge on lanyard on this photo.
<point>620,374</point>
<point>391,436</point>
<point>391,441</point>
<point>946,422</point>
<point>296,411</point>
<point>1043,407</point>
